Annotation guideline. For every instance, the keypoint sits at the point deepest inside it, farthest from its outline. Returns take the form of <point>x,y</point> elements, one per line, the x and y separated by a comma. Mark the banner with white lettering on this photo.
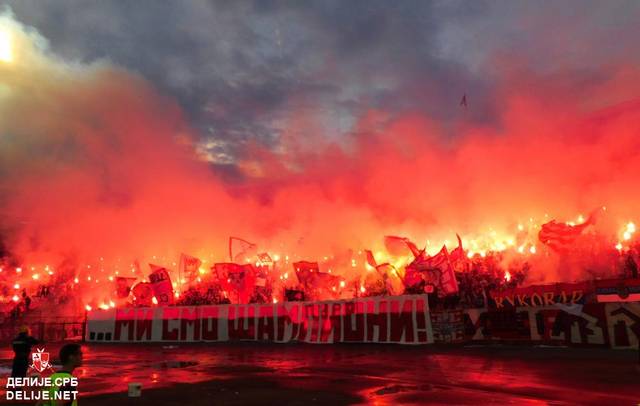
<point>397,319</point>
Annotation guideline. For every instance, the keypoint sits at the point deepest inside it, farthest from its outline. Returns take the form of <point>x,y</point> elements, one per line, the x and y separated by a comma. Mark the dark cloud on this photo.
<point>242,70</point>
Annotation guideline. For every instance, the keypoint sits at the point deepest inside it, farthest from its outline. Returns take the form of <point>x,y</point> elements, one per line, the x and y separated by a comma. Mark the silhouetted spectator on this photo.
<point>22,349</point>
<point>631,267</point>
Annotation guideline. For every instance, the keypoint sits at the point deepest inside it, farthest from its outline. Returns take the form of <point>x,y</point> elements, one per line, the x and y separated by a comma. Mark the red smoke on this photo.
<point>96,164</point>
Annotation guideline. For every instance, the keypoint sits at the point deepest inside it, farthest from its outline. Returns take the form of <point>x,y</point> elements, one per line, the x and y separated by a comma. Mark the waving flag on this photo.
<point>371,260</point>
<point>414,278</point>
<point>458,257</point>
<point>398,246</point>
<point>240,249</point>
<point>560,236</point>
<point>463,102</point>
<point>123,286</point>
<point>458,252</point>
<point>161,284</point>
<point>236,278</point>
<point>265,259</point>
<point>448,282</point>
<point>309,275</point>
<point>188,267</point>
<point>388,272</point>
<point>142,293</point>
<point>305,271</point>
<point>385,268</point>
<point>436,270</point>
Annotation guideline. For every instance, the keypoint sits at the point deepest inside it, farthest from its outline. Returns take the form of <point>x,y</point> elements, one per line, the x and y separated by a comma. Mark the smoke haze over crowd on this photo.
<point>135,154</point>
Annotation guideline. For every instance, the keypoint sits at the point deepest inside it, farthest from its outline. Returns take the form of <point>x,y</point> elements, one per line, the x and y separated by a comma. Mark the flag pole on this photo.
<point>180,275</point>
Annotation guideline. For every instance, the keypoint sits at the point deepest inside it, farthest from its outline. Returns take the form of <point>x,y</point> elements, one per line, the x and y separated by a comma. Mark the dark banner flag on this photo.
<point>618,290</point>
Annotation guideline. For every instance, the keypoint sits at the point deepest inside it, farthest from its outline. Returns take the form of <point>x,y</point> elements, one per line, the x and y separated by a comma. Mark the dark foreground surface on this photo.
<point>260,374</point>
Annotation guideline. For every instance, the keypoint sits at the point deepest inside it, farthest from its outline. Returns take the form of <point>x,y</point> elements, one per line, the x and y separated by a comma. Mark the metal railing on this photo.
<point>51,329</point>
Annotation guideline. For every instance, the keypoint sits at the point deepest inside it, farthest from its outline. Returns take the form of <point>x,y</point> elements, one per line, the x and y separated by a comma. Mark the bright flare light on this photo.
<point>628,231</point>
<point>6,55</point>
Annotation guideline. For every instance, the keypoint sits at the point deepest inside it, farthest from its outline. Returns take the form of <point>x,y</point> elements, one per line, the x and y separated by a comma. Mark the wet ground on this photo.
<point>303,374</point>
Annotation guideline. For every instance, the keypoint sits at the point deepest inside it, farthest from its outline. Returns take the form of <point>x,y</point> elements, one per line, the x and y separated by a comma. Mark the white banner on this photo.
<point>392,319</point>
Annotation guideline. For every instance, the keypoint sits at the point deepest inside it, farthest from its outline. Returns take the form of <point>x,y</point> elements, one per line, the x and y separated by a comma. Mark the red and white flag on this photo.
<point>161,284</point>
<point>438,269</point>
<point>265,259</point>
<point>240,250</point>
<point>458,258</point>
<point>188,267</point>
<point>236,278</point>
<point>448,281</point>
<point>458,253</point>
